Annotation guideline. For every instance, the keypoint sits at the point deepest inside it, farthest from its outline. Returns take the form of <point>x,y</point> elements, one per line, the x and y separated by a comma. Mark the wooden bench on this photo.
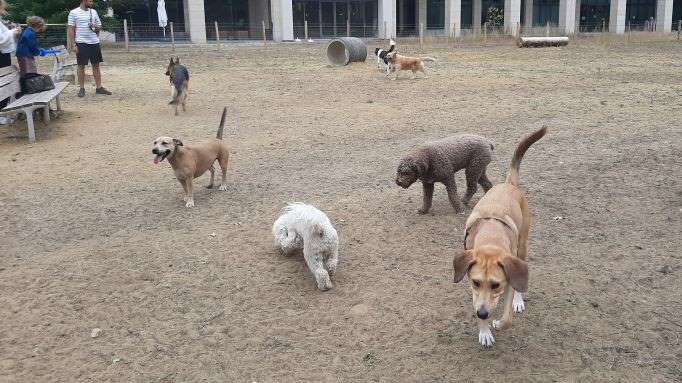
<point>62,63</point>
<point>9,86</point>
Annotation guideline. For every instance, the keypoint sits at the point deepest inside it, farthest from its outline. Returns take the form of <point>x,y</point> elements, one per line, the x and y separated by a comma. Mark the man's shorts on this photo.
<point>88,52</point>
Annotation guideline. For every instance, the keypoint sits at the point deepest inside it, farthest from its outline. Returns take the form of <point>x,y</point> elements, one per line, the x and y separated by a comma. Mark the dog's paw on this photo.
<point>209,186</point>
<point>324,286</point>
<point>223,188</point>
<point>422,211</point>
<point>499,324</point>
<point>190,203</point>
<point>518,303</point>
<point>485,337</point>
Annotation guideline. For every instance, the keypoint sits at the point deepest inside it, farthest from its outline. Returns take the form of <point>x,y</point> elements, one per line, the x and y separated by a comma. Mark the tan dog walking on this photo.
<point>190,162</point>
<point>496,248</point>
<point>397,62</point>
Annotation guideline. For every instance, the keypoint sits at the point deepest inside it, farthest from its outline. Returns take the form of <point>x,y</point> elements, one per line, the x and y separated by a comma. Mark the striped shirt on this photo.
<point>80,19</point>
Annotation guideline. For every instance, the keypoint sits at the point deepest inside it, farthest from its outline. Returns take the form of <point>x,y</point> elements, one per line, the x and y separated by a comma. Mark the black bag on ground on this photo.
<point>35,83</point>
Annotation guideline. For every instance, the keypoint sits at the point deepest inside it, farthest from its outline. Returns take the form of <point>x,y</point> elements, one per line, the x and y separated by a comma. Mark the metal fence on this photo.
<point>125,34</point>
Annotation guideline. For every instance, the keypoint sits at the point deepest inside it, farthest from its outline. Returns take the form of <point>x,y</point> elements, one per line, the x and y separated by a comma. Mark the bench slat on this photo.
<point>41,98</point>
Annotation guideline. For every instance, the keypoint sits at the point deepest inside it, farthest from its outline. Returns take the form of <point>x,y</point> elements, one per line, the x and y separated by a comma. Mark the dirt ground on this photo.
<point>94,235</point>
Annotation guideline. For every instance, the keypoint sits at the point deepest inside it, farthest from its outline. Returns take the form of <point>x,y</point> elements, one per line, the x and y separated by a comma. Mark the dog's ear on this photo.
<point>516,271</point>
<point>461,264</point>
<point>171,60</point>
<point>177,142</point>
<point>177,60</point>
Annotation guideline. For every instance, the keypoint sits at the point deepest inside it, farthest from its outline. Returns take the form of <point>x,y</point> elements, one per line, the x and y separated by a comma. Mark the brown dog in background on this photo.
<point>496,248</point>
<point>190,162</point>
<point>397,62</point>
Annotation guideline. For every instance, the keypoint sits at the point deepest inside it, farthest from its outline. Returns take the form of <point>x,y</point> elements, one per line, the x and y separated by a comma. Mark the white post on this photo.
<point>305,29</point>
<point>125,33</point>
<point>217,31</point>
<point>348,26</point>
<point>617,16</point>
<point>567,16</point>
<point>664,15</point>
<point>265,36</point>
<point>172,36</point>
<point>422,12</point>
<point>512,15</point>
<point>386,18</point>
<point>195,20</point>
<point>421,35</point>
<point>577,16</point>
<point>282,17</point>
<point>453,17</point>
<point>476,17</point>
<point>528,14</point>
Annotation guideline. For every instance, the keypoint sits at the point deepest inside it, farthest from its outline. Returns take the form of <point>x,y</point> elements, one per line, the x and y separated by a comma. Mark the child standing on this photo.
<point>28,47</point>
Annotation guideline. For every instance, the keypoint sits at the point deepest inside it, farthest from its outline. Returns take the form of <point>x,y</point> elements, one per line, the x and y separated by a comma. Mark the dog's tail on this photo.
<point>392,47</point>
<point>513,176</point>
<point>219,135</point>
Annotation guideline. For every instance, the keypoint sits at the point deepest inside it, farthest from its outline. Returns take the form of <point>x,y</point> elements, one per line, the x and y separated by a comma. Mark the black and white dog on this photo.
<point>382,63</point>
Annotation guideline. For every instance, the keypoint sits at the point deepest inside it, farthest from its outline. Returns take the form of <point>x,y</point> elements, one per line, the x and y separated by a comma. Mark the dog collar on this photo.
<point>508,224</point>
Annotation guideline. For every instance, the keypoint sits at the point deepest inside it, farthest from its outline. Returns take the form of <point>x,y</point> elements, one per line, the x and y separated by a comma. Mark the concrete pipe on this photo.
<point>344,50</point>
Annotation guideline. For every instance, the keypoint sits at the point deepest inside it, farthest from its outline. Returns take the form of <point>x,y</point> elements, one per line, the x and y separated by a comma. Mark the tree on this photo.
<point>57,11</point>
<point>495,17</point>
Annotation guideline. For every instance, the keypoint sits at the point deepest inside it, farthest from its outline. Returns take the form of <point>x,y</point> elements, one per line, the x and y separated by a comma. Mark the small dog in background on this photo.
<point>438,161</point>
<point>190,162</point>
<point>179,79</point>
<point>381,53</point>
<point>397,62</point>
<point>304,227</point>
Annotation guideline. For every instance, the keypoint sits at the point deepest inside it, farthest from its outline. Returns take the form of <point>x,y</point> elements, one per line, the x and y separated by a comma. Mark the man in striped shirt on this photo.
<point>84,27</point>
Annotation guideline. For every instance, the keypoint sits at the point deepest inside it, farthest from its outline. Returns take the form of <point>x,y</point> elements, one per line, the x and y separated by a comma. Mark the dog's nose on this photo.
<point>482,313</point>
<point>155,151</point>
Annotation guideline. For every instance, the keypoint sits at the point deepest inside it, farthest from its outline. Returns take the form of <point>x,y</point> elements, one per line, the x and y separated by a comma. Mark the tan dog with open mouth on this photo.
<point>190,162</point>
<point>496,248</point>
<point>397,62</point>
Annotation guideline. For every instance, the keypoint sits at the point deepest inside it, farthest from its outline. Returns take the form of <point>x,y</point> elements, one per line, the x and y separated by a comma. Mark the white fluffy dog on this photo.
<point>304,227</point>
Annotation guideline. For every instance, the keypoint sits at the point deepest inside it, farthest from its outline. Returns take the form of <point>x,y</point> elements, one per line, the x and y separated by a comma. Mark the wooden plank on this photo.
<point>542,41</point>
<point>10,87</point>
<point>8,70</point>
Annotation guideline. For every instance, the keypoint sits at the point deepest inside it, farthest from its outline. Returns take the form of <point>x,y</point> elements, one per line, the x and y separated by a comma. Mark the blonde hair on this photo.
<point>34,22</point>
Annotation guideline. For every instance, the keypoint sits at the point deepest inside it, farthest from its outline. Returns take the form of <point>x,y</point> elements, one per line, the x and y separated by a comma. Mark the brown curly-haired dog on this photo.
<point>438,161</point>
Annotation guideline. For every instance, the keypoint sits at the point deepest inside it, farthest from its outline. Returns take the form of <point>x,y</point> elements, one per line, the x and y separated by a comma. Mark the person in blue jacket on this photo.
<point>28,48</point>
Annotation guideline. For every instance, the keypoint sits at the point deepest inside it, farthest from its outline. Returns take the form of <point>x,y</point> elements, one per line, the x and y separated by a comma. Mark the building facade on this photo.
<point>284,20</point>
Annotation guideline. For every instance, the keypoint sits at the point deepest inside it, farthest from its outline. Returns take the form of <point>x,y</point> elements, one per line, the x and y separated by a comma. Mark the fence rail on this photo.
<point>138,33</point>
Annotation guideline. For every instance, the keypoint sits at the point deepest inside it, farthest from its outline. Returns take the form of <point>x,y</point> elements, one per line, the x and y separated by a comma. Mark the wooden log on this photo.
<point>525,42</point>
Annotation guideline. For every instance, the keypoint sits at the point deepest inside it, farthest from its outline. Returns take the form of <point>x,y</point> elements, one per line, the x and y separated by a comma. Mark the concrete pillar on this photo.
<point>577,15</point>
<point>512,16</point>
<point>195,20</point>
<point>282,20</point>
<point>617,16</point>
<point>476,17</point>
<point>422,14</point>
<point>401,22</point>
<point>258,12</point>
<point>386,17</point>
<point>664,15</point>
<point>528,14</point>
<point>567,16</point>
<point>453,17</point>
